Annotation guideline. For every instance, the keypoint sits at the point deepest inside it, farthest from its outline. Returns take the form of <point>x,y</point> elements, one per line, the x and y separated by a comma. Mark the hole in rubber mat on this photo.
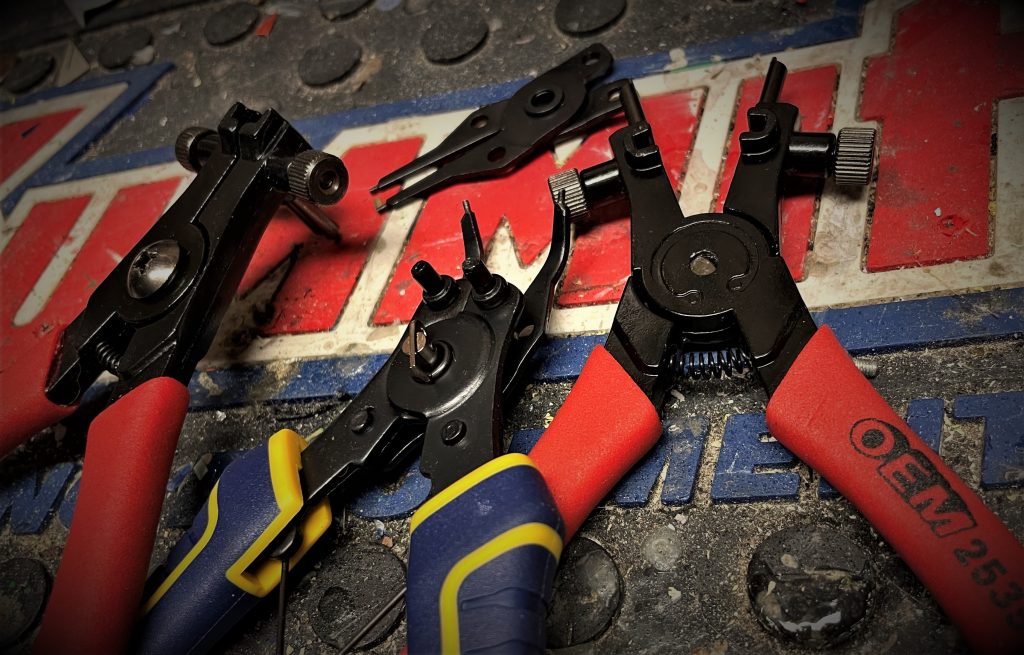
<point>587,595</point>
<point>810,585</point>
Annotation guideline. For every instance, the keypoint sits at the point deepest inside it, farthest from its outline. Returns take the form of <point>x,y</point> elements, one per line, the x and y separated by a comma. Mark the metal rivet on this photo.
<point>362,421</point>
<point>703,263</point>
<point>452,432</point>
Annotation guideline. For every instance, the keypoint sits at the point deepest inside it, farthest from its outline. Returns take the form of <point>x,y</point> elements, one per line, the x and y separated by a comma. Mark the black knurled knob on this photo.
<point>855,156</point>
<point>184,150</point>
<point>318,177</point>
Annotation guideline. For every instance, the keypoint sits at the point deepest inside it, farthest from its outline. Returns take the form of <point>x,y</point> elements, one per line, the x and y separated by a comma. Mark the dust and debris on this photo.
<point>207,383</point>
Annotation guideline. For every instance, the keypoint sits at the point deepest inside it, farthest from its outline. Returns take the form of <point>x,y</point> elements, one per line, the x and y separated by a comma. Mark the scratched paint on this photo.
<point>310,300</point>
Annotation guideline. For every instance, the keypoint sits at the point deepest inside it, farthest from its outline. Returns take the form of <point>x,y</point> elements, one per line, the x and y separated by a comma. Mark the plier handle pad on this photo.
<point>709,294</point>
<point>440,393</point>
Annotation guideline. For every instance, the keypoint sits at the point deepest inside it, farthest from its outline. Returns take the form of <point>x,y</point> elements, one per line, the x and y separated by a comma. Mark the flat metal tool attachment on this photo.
<point>562,103</point>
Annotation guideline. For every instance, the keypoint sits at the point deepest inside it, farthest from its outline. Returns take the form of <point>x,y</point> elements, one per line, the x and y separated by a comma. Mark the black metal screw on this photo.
<point>362,421</point>
<point>153,268</point>
<point>452,432</point>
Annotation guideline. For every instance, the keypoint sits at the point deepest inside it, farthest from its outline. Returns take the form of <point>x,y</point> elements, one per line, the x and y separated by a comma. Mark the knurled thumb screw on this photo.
<point>185,147</point>
<point>855,156</point>
<point>317,177</point>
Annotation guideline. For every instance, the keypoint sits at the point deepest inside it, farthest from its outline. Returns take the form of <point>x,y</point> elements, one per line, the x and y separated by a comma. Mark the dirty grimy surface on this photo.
<point>654,577</point>
<point>522,39</point>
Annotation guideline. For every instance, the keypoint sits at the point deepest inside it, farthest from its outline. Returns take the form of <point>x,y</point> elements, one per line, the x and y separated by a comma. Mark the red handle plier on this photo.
<point>149,323</point>
<point>711,293</point>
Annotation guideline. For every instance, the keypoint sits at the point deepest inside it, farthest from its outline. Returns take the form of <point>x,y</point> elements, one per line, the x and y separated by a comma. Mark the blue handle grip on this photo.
<point>482,561</point>
<point>219,571</point>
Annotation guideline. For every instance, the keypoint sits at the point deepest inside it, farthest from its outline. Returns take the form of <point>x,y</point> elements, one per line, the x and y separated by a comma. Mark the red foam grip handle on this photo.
<point>601,431</point>
<point>98,588</point>
<point>26,410</point>
<point>830,416</point>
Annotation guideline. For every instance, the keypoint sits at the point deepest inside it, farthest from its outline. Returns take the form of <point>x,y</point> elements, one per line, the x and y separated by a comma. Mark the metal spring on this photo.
<point>703,365</point>
<point>107,356</point>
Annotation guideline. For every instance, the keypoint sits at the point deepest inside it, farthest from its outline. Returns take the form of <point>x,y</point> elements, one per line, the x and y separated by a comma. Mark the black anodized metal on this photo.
<point>217,223</point>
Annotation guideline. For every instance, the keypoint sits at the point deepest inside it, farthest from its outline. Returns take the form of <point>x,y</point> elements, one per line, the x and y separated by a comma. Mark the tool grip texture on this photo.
<point>603,428</point>
<point>827,414</point>
<point>99,581</point>
<point>26,409</point>
<point>482,559</point>
<point>219,570</point>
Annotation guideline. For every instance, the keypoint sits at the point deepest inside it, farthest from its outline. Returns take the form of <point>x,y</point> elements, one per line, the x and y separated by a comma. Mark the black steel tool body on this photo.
<point>440,393</point>
<point>711,293</point>
<point>559,104</point>
<point>149,322</point>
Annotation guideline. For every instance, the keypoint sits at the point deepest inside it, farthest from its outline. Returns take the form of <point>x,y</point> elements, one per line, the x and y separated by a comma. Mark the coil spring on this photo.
<point>706,364</point>
<point>107,356</point>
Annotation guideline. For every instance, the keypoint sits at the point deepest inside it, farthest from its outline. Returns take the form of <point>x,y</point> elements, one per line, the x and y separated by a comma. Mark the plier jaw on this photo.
<point>149,322</point>
<point>709,293</point>
<point>156,314</point>
<point>559,104</point>
<point>443,387</point>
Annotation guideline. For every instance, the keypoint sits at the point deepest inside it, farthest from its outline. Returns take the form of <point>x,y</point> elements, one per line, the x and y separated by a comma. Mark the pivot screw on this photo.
<point>153,267</point>
<point>427,360</point>
<point>452,432</point>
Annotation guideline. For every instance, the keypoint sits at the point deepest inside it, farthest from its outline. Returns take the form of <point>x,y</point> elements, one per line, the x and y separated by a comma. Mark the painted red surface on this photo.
<point>935,95</point>
<point>22,139</point>
<point>600,260</point>
<point>132,211</point>
<point>813,91</point>
<point>323,273</point>
<point>30,250</point>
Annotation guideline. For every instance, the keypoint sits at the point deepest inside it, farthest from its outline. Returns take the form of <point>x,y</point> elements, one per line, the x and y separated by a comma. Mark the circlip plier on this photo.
<point>710,295</point>
<point>559,104</point>
<point>440,394</point>
<point>149,322</point>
